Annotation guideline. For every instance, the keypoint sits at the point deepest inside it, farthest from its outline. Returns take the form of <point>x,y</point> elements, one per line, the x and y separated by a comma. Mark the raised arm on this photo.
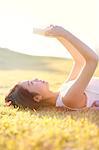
<point>91,60</point>
<point>78,59</point>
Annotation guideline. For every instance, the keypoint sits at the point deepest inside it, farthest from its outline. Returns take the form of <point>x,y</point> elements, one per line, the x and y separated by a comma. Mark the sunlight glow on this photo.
<point>19,17</point>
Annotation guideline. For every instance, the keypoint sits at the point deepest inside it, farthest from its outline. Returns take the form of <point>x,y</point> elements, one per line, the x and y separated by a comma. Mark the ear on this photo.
<point>7,103</point>
<point>37,98</point>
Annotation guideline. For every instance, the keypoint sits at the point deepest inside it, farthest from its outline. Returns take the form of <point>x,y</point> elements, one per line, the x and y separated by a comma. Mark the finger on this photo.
<point>50,33</point>
<point>51,25</point>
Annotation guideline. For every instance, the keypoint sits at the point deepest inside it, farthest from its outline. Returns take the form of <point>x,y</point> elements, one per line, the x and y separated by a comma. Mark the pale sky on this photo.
<point>18,17</point>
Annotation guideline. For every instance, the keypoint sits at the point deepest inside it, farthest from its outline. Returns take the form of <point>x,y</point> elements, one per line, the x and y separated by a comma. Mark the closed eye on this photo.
<point>31,82</point>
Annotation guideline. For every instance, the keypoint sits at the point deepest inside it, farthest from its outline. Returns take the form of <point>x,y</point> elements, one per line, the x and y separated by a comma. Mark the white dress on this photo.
<point>92,92</point>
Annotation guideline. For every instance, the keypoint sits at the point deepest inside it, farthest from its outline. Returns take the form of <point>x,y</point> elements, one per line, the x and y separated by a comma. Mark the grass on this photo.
<point>45,129</point>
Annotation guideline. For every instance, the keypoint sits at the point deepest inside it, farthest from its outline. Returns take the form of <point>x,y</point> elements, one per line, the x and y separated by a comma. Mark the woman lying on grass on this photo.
<point>78,92</point>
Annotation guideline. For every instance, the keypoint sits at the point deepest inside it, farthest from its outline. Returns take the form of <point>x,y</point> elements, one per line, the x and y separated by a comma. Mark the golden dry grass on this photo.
<point>47,129</point>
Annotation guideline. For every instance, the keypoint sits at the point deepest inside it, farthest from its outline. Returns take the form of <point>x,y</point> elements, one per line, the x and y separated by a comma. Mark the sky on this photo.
<point>19,17</point>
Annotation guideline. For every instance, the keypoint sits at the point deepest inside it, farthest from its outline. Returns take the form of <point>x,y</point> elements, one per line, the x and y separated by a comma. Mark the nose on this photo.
<point>38,80</point>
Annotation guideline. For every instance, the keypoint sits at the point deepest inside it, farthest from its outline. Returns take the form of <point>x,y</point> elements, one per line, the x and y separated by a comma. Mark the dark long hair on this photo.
<point>18,96</point>
<point>21,97</point>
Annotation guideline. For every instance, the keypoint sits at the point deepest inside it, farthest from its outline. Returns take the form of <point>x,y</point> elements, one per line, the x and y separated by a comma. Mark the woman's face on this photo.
<point>39,86</point>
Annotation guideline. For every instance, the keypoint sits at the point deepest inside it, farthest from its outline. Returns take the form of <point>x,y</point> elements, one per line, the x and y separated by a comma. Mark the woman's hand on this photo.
<point>51,31</point>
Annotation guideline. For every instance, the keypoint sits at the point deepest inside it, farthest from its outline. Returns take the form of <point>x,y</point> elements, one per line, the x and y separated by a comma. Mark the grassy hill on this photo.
<point>13,60</point>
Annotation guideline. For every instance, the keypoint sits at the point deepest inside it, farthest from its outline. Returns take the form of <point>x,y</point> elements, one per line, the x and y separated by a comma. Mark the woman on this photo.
<point>78,92</point>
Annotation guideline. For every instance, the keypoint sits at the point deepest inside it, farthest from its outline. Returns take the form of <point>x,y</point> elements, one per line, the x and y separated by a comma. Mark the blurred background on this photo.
<point>18,17</point>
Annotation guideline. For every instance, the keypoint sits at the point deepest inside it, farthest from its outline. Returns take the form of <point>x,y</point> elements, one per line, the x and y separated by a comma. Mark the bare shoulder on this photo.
<point>75,100</point>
